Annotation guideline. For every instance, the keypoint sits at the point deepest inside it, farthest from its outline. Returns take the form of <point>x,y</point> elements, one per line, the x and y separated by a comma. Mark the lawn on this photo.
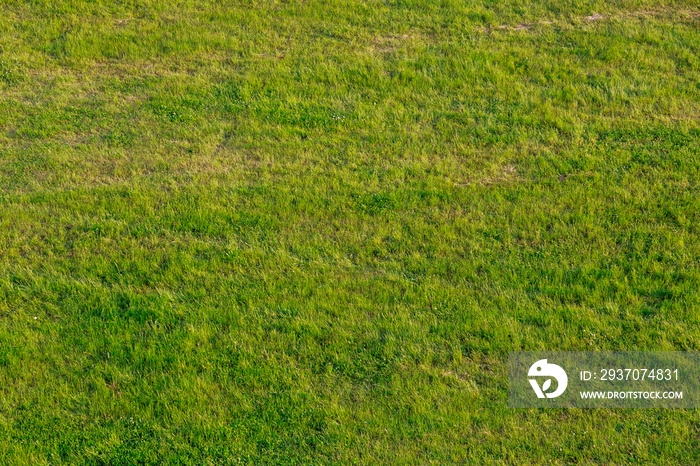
<point>310,232</point>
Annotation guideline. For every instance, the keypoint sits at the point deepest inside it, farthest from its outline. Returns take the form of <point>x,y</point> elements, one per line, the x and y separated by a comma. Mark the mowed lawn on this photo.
<point>310,232</point>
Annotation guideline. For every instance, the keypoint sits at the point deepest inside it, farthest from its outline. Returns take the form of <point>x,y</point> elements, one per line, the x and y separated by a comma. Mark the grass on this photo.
<point>311,232</point>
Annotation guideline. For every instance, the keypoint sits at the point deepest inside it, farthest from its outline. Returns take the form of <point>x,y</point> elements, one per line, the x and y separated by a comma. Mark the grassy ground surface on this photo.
<point>311,231</point>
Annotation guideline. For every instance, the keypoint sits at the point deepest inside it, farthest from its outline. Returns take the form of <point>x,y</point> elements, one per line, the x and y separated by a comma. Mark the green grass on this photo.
<point>310,232</point>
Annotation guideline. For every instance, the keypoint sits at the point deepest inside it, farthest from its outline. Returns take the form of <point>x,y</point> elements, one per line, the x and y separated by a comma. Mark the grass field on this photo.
<point>310,232</point>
